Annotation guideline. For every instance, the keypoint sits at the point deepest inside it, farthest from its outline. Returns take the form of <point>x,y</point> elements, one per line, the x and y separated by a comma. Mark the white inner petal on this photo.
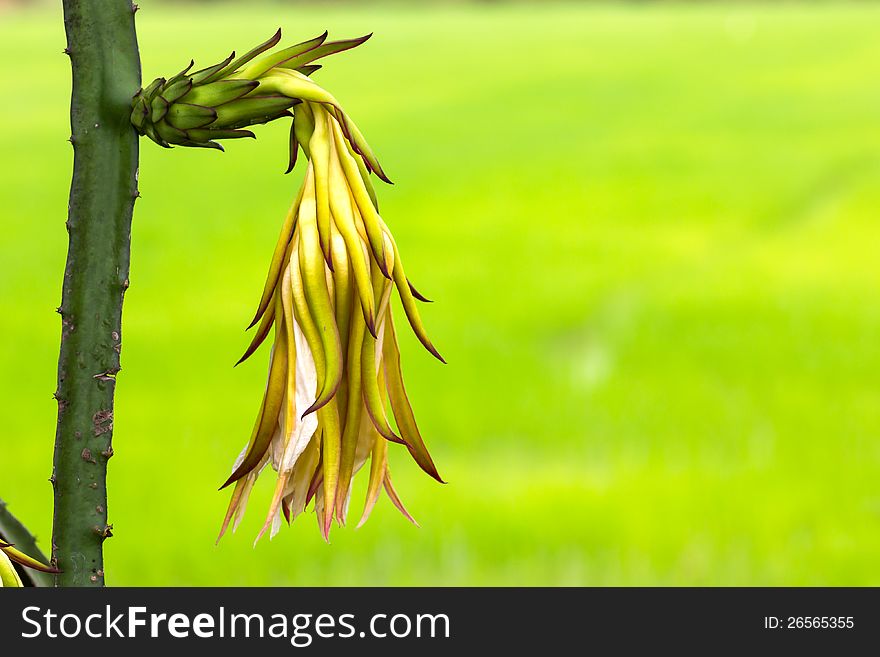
<point>302,429</point>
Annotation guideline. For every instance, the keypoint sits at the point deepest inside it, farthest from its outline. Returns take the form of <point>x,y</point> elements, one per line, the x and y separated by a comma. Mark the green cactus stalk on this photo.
<point>102,46</point>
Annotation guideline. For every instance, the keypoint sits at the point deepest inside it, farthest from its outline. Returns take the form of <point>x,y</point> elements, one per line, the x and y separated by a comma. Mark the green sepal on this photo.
<point>318,52</point>
<point>218,93</point>
<point>171,134</point>
<point>243,111</point>
<point>271,42</point>
<point>174,91</point>
<point>139,113</point>
<point>185,116</point>
<point>180,76</point>
<point>150,89</point>
<point>203,144</point>
<point>150,131</point>
<point>206,73</point>
<point>308,69</point>
<point>261,66</point>
<point>158,109</point>
<point>206,134</point>
<point>259,120</point>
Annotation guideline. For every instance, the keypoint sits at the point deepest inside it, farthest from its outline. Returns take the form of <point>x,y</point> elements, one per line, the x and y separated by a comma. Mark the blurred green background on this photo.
<point>651,234</point>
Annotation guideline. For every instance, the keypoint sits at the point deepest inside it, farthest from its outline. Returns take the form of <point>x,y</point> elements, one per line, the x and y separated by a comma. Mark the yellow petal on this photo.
<point>317,295</point>
<point>377,477</point>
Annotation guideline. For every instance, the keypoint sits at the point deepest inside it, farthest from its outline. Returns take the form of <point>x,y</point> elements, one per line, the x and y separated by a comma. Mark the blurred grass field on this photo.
<point>651,234</point>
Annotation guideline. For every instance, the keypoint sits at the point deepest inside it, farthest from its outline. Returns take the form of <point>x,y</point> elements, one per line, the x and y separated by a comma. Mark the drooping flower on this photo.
<point>335,364</point>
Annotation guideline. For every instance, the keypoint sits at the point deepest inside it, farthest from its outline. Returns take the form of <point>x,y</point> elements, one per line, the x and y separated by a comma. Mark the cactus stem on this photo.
<point>106,74</point>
